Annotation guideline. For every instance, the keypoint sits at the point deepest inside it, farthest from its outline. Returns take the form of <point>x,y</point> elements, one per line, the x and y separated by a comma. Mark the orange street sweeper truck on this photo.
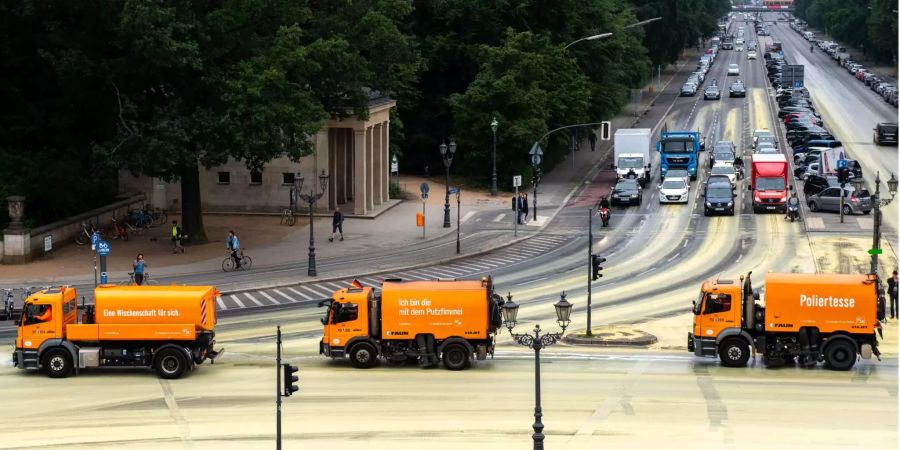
<point>168,328</point>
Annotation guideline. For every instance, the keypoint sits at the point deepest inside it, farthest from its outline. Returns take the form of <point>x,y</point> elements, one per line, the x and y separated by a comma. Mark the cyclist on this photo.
<point>176,237</point>
<point>138,267</point>
<point>811,47</point>
<point>232,244</point>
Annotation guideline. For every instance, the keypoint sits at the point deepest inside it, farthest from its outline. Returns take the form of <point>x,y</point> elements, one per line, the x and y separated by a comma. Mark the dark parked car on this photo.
<point>830,200</point>
<point>626,192</point>
<point>737,89</point>
<point>817,183</point>
<point>885,134</point>
<point>718,198</point>
<point>712,93</point>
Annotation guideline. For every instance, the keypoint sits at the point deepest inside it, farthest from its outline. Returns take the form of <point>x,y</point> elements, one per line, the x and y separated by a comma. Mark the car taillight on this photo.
<point>853,199</point>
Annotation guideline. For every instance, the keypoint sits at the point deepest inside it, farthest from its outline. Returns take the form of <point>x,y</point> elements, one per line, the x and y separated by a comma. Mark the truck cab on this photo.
<point>769,182</point>
<point>346,320</point>
<point>42,323</point>
<point>680,150</point>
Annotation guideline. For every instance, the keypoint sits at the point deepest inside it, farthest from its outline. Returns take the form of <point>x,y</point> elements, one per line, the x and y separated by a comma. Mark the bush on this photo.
<point>394,190</point>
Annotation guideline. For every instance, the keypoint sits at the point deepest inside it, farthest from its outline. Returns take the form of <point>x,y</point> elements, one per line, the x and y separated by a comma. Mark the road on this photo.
<point>591,399</point>
<point>657,257</point>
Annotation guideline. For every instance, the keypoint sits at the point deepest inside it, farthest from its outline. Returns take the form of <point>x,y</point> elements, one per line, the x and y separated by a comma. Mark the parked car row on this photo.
<point>692,85</point>
<point>886,89</point>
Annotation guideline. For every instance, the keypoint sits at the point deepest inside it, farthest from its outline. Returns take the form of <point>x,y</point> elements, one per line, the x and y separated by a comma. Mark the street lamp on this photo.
<point>536,342</point>
<point>494,125</point>
<point>589,38</point>
<point>537,155</point>
<point>447,152</point>
<point>876,229</point>
<point>311,198</point>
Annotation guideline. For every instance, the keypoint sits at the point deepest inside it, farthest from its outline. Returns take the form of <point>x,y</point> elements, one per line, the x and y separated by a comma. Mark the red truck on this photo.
<point>769,182</point>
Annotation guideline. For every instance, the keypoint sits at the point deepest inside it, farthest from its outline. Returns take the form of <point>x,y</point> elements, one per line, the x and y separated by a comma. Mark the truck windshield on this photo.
<point>770,184</point>
<point>677,146</point>
<point>631,163</point>
<point>698,304</point>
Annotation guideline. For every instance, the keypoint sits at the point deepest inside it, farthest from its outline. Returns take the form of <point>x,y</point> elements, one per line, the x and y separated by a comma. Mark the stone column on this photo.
<point>378,165</point>
<point>386,152</point>
<point>359,172</point>
<point>340,166</point>
<point>370,173</point>
<point>16,238</point>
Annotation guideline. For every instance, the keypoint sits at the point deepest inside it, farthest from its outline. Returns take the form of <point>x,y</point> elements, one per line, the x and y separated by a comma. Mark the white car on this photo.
<point>734,69</point>
<point>751,54</point>
<point>674,190</point>
<point>725,168</point>
<point>760,132</point>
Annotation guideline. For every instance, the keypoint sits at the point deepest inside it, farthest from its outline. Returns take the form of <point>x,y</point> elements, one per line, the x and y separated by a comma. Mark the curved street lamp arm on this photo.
<point>563,128</point>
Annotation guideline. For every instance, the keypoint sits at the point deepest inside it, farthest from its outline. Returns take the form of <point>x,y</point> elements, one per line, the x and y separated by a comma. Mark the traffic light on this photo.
<point>843,175</point>
<point>290,379</point>
<point>605,130</point>
<point>596,260</point>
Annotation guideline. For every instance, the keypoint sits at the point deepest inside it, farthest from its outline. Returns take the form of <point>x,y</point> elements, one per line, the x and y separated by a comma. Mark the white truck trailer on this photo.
<point>631,153</point>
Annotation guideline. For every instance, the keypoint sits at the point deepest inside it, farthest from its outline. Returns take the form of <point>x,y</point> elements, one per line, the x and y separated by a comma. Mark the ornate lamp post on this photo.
<point>447,152</point>
<point>311,198</point>
<point>878,203</point>
<point>536,342</point>
<point>494,125</point>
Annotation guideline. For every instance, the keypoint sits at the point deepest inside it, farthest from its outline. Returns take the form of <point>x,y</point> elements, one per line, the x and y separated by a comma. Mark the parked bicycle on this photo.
<point>147,280</point>
<point>87,230</point>
<point>8,312</point>
<point>229,266</point>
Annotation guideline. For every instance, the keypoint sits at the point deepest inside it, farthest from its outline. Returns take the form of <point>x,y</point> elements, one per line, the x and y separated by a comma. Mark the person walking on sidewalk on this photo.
<point>232,244</point>
<point>176,237</point>
<point>337,224</point>
<point>893,293</point>
<point>138,267</point>
<point>523,207</point>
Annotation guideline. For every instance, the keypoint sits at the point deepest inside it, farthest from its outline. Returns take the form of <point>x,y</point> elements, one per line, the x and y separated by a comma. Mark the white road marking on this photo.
<point>221,303</point>
<point>253,299</point>
<point>291,299</point>
<point>318,290</point>
<point>673,257</point>
<point>467,216</point>
<point>413,276</point>
<point>300,293</point>
<point>335,285</point>
<point>499,217</point>
<point>238,301</point>
<point>272,299</point>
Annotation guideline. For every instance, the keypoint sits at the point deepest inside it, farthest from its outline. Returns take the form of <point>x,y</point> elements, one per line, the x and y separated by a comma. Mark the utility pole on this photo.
<point>278,388</point>
<point>589,333</point>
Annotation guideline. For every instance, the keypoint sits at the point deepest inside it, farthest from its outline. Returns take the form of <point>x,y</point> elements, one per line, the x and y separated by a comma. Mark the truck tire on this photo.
<point>170,363</point>
<point>456,357</point>
<point>734,352</point>
<point>57,363</point>
<point>840,355</point>
<point>363,356</point>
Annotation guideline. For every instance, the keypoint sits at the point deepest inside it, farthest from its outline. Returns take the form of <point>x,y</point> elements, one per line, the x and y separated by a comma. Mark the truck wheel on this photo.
<point>363,356</point>
<point>57,363</point>
<point>734,352</point>
<point>840,355</point>
<point>170,363</point>
<point>456,357</point>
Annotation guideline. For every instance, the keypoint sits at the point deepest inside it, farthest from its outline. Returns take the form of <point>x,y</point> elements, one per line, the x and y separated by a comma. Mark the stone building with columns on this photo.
<point>352,152</point>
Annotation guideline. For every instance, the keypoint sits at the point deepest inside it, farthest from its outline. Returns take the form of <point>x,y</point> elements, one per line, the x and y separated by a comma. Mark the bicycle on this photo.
<point>8,305</point>
<point>287,217</point>
<point>229,266</point>
<point>147,280</point>
<point>87,230</point>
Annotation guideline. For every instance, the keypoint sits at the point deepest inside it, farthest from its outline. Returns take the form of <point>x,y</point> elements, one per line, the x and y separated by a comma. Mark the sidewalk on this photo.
<point>279,252</point>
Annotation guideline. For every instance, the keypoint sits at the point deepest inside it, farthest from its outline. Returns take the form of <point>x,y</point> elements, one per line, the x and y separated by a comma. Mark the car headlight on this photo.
<point>709,204</point>
<point>730,204</point>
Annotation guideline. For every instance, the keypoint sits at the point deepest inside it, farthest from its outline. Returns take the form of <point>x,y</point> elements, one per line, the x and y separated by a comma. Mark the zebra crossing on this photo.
<point>312,293</point>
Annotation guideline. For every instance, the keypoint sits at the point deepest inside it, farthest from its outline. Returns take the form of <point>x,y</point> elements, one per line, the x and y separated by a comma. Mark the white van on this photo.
<point>808,35</point>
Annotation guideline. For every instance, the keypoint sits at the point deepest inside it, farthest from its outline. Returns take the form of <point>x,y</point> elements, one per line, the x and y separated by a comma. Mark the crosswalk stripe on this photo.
<point>271,299</point>
<point>370,281</point>
<point>441,273</point>
<point>451,269</point>
<point>504,259</point>
<point>238,301</point>
<point>300,293</point>
<point>406,275</point>
<point>221,303</point>
<point>499,217</point>
<point>253,299</point>
<point>465,267</point>
<point>467,216</point>
<point>474,267</point>
<point>336,286</point>
<point>318,290</point>
<point>291,299</point>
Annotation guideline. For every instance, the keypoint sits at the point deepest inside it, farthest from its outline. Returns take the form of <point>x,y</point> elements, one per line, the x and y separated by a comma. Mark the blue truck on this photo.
<point>680,150</point>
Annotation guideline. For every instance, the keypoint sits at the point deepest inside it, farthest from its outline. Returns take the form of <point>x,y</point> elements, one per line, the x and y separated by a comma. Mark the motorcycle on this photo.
<point>793,211</point>
<point>604,216</point>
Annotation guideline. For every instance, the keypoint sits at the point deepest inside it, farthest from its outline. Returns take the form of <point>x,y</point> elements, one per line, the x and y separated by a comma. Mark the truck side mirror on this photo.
<point>790,187</point>
<point>17,322</point>
<point>749,187</point>
<point>324,322</point>
<point>612,165</point>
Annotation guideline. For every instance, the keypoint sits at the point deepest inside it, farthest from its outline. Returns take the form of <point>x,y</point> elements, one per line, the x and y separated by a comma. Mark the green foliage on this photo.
<point>394,191</point>
<point>871,26</point>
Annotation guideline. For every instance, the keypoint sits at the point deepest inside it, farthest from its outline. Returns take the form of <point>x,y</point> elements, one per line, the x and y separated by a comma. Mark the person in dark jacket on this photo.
<point>523,207</point>
<point>892,293</point>
<point>337,224</point>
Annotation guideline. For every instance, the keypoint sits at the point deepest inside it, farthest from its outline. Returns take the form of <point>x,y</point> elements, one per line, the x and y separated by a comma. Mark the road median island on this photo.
<point>612,336</point>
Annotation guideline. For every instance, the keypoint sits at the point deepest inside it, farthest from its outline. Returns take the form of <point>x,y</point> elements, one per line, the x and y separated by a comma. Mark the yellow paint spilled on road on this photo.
<point>731,130</point>
<point>761,116</point>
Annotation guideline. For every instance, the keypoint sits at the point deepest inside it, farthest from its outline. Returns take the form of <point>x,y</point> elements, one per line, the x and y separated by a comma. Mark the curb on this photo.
<point>614,338</point>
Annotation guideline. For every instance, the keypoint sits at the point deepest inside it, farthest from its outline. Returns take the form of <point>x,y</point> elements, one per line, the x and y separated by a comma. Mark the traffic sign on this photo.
<point>454,190</point>
<point>103,248</point>
<point>517,180</point>
<point>841,163</point>
<point>94,238</point>
<point>875,251</point>
<point>423,188</point>
<point>395,166</point>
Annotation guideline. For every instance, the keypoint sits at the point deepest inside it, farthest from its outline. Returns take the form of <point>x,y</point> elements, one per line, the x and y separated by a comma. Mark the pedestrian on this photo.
<point>337,223</point>
<point>176,237</point>
<point>138,267</point>
<point>232,244</point>
<point>592,138</point>
<point>427,172</point>
<point>892,293</point>
<point>523,207</point>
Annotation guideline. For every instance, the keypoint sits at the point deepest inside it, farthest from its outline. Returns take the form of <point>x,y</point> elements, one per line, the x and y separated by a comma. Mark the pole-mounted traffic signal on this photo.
<point>843,175</point>
<point>290,379</point>
<point>596,260</point>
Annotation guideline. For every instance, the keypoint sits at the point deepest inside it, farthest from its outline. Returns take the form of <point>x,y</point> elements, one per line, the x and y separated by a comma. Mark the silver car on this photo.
<point>829,199</point>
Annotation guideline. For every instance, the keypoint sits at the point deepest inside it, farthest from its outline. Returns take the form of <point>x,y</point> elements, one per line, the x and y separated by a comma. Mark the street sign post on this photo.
<point>423,189</point>
<point>517,183</point>
<point>94,238</point>
<point>842,163</point>
<point>103,250</point>
<point>874,251</point>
